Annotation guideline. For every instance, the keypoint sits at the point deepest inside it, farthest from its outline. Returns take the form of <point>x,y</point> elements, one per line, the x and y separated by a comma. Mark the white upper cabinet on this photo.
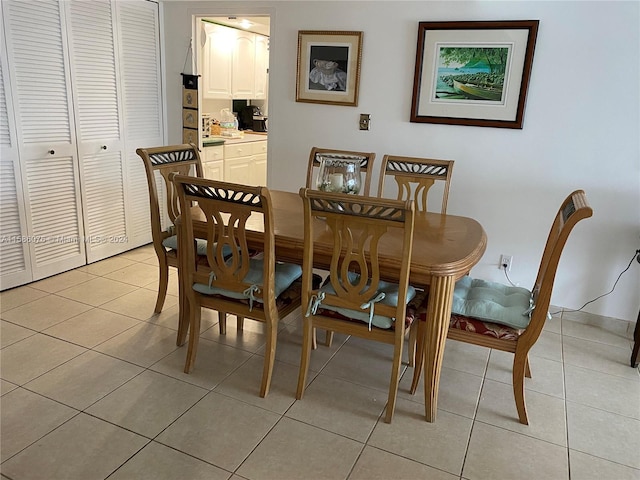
<point>234,63</point>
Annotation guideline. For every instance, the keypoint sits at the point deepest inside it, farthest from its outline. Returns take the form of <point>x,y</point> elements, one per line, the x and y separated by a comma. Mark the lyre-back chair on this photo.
<point>182,159</point>
<point>354,299</point>
<point>507,318</point>
<point>240,283</point>
<point>414,177</point>
<point>366,165</point>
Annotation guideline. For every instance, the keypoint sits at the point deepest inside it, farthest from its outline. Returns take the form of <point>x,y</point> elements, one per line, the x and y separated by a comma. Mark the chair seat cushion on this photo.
<point>390,298</point>
<point>285,275</point>
<point>492,302</point>
<point>468,324</point>
<point>172,244</point>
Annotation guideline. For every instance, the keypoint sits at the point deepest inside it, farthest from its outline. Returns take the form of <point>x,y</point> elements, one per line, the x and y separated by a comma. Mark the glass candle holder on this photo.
<point>339,175</point>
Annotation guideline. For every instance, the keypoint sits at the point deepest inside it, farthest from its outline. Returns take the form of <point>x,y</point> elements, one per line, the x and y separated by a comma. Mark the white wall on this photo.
<point>580,128</point>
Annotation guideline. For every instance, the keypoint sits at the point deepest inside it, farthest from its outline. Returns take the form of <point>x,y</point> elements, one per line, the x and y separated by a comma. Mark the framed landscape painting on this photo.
<point>328,68</point>
<point>473,73</point>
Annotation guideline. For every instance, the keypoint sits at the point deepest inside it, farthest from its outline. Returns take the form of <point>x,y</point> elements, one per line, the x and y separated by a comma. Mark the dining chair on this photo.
<point>354,300</point>
<point>510,318</point>
<point>242,283</point>
<point>159,163</point>
<point>366,165</point>
<point>414,178</point>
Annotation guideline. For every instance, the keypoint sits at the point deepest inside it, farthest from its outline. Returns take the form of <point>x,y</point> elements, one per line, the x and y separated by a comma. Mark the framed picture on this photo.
<point>473,73</point>
<point>328,67</point>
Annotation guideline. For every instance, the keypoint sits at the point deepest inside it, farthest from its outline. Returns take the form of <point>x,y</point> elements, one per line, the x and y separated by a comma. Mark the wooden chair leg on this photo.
<point>195,312</point>
<point>411,350</point>
<point>163,281</point>
<point>395,379</point>
<point>519,366</point>
<point>636,343</point>
<point>419,355</point>
<point>328,338</point>
<point>527,368</point>
<point>308,335</point>
<point>222,322</point>
<point>269,357</point>
<point>240,324</point>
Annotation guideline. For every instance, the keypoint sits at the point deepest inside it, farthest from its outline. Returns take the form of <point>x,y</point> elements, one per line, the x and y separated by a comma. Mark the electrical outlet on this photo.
<point>365,120</point>
<point>505,262</point>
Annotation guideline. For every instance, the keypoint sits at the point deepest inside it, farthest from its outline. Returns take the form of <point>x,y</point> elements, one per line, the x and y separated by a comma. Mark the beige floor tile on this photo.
<point>26,417</point>
<point>547,376</point>
<point>33,356</point>
<point>172,283</point>
<point>143,344</point>
<point>458,393</point>
<point>140,254</point>
<point>92,327</point>
<point>497,453</point>
<point>6,387</point>
<point>106,266</point>
<point>441,444</point>
<point>11,333</point>
<point>605,392</point>
<point>84,380</point>
<point>19,296</point>
<point>290,347</point>
<point>138,274</point>
<point>138,304</point>
<point>151,260</point>
<point>604,434</point>
<point>549,346</point>
<point>554,325</point>
<point>546,413</point>
<point>244,384</point>
<point>600,357</point>
<point>587,467</point>
<point>169,318</point>
<point>148,403</point>
<point>157,462</point>
<point>363,362</point>
<point>214,362</point>
<point>83,448</point>
<point>220,430</point>
<point>296,450</point>
<point>340,407</point>
<point>97,291</point>
<point>465,357</point>
<point>376,464</point>
<point>251,338</point>
<point>596,328</point>
<point>45,312</point>
<point>64,280</point>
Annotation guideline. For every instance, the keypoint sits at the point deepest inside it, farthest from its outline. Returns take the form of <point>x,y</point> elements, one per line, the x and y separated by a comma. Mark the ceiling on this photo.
<point>252,24</point>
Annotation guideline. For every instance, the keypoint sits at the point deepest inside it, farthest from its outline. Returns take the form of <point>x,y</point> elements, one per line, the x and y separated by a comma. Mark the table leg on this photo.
<point>183,304</point>
<point>437,326</point>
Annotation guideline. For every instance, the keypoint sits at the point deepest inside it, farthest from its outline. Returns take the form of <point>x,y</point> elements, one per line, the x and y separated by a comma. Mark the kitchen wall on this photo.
<point>580,128</point>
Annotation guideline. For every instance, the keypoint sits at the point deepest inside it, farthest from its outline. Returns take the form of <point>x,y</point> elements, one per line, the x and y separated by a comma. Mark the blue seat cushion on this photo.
<point>172,243</point>
<point>492,302</point>
<point>285,275</point>
<point>390,298</point>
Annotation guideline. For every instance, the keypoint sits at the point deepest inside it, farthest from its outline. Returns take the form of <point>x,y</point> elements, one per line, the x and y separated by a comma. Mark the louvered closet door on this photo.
<point>15,266</point>
<point>99,129</point>
<point>139,52</point>
<point>40,89</point>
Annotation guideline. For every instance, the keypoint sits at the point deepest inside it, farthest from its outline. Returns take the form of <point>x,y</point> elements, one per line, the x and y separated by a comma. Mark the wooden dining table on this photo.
<point>445,248</point>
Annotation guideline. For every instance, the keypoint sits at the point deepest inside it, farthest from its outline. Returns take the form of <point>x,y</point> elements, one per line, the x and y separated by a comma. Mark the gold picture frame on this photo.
<point>328,67</point>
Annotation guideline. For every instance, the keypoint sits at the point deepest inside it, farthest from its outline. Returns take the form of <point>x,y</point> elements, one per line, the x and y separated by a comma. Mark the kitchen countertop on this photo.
<point>248,137</point>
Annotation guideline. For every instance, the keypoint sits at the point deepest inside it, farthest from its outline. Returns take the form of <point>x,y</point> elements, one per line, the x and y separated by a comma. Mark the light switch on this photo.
<point>365,120</point>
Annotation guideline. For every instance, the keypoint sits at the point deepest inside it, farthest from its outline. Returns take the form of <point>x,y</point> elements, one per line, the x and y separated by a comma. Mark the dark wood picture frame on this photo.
<point>473,73</point>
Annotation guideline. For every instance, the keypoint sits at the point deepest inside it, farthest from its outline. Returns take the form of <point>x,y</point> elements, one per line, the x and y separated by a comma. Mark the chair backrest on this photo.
<point>182,159</point>
<point>366,165</point>
<point>226,208</point>
<point>574,208</point>
<point>415,176</point>
<point>357,231</point>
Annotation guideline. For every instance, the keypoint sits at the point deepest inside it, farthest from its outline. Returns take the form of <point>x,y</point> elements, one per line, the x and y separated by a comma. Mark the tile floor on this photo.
<point>92,388</point>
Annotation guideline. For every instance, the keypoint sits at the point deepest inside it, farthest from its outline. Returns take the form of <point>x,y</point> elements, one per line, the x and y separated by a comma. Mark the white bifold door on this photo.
<point>81,91</point>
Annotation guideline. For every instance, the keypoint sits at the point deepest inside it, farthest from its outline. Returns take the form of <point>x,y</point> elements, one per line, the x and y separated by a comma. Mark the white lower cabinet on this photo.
<point>213,162</point>
<point>246,163</point>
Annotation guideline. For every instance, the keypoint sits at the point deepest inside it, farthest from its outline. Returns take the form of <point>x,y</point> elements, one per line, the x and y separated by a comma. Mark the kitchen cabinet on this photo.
<point>213,162</point>
<point>246,163</point>
<point>235,63</point>
<point>77,99</point>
